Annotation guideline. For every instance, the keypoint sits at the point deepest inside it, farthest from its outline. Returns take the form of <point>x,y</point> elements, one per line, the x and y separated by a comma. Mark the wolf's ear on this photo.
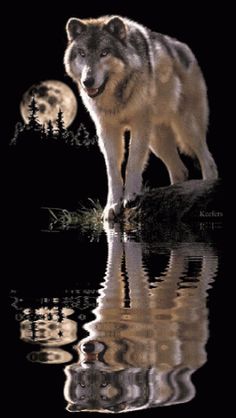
<point>116,27</point>
<point>74,27</point>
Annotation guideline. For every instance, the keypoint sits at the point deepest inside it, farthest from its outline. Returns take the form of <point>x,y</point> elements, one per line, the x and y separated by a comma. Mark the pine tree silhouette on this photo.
<point>60,125</point>
<point>82,136</point>
<point>50,131</point>
<point>33,119</point>
<point>19,128</point>
<point>69,138</point>
<point>34,133</point>
<point>43,132</point>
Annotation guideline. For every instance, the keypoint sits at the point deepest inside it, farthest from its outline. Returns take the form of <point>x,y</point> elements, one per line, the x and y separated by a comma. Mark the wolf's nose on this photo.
<point>89,82</point>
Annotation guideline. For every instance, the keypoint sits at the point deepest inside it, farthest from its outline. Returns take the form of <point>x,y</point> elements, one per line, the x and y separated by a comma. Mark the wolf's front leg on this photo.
<point>138,154</point>
<point>112,147</point>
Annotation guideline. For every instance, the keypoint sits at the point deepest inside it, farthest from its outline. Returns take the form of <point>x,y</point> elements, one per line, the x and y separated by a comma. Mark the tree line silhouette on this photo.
<point>34,133</point>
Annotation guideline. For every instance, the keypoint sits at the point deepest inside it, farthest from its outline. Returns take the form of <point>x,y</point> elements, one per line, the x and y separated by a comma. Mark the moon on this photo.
<point>50,96</point>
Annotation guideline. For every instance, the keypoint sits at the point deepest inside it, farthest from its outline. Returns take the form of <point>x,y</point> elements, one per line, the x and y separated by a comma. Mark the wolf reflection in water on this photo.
<point>148,336</point>
<point>142,356</point>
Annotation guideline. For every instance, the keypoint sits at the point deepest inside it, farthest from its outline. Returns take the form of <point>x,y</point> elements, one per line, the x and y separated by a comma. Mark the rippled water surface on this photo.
<point>130,338</point>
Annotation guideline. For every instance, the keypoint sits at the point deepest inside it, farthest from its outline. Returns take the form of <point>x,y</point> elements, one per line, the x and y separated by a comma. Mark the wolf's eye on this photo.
<point>81,52</point>
<point>104,52</point>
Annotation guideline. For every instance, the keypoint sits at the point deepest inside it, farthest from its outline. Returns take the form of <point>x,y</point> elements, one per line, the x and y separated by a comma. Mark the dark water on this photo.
<point>118,325</point>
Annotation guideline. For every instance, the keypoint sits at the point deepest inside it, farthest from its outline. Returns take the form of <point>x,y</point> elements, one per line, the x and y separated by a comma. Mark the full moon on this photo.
<point>50,96</point>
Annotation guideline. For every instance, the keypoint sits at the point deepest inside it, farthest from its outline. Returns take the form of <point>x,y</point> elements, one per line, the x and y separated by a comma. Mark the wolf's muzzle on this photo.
<point>92,92</point>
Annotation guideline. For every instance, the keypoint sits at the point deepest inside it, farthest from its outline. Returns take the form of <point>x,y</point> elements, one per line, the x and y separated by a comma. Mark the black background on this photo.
<point>35,41</point>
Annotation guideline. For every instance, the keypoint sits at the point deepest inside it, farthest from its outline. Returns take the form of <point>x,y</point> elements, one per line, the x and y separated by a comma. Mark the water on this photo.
<point>130,338</point>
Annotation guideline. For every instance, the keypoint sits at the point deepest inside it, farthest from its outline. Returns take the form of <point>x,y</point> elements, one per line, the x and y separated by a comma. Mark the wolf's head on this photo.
<point>95,54</point>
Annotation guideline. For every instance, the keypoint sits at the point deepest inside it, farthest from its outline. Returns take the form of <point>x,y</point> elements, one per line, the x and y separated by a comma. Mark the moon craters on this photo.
<point>50,96</point>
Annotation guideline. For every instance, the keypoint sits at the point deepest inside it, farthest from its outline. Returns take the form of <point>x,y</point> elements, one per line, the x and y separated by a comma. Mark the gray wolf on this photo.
<point>131,78</point>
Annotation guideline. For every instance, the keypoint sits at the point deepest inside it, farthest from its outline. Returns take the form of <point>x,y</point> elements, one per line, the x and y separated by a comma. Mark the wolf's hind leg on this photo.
<point>207,162</point>
<point>191,138</point>
<point>163,145</point>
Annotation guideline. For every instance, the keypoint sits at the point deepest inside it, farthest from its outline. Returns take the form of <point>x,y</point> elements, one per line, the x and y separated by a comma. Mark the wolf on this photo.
<point>133,79</point>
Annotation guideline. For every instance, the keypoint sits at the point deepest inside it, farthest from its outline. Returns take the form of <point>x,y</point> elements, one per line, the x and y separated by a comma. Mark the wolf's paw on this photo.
<point>180,176</point>
<point>211,173</point>
<point>111,212</point>
<point>129,200</point>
